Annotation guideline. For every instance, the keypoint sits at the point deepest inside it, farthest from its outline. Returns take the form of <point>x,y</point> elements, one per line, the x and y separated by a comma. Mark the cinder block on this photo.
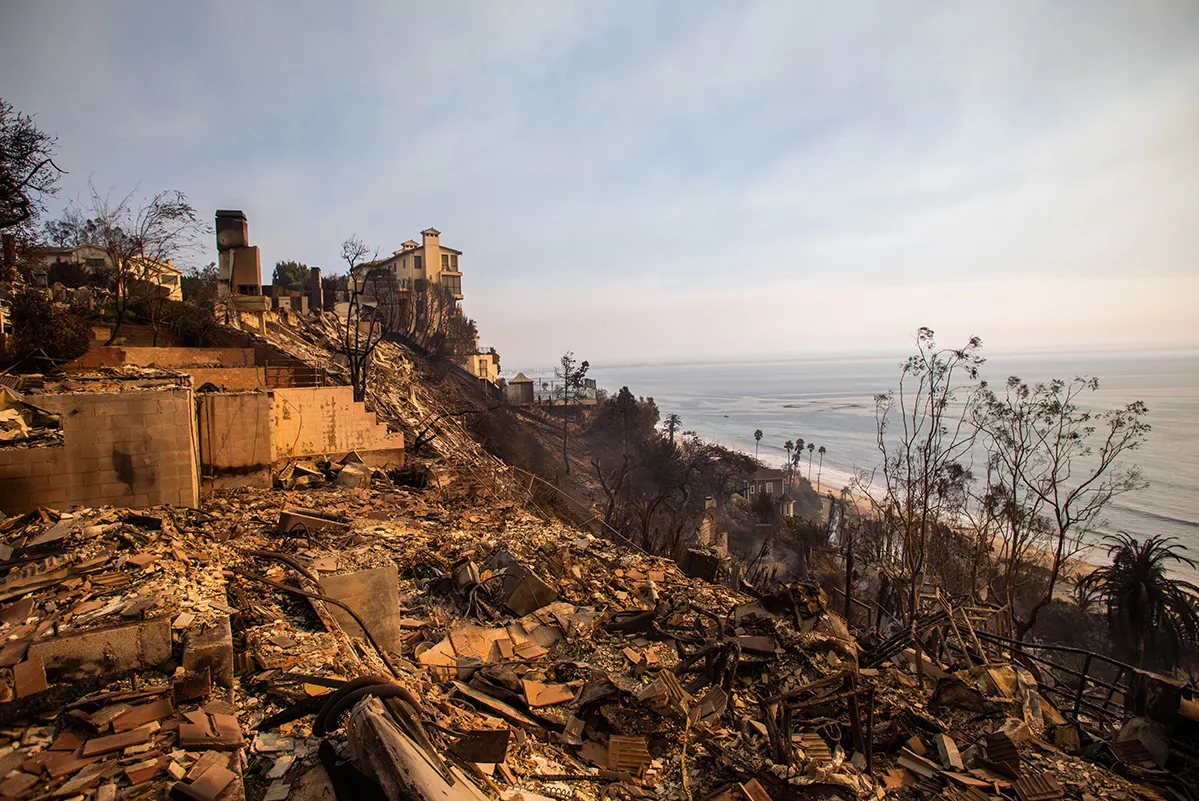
<point>18,470</point>
<point>46,467</point>
<point>113,409</point>
<point>146,460</point>
<point>116,489</point>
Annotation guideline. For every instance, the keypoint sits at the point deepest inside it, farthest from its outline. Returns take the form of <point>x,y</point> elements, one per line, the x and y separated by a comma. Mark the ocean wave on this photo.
<point>1177,521</point>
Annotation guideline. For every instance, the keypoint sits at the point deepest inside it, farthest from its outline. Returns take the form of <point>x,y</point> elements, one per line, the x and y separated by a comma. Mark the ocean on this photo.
<point>830,402</point>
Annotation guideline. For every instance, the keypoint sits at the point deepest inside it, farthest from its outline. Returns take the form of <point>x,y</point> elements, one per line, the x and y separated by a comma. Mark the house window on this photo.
<point>445,261</point>
<point>170,279</point>
<point>454,262</point>
<point>419,262</point>
<point>94,262</point>
<point>452,283</point>
<point>769,488</point>
<point>752,488</point>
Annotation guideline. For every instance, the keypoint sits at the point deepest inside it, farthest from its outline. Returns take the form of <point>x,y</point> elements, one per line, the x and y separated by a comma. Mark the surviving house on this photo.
<point>485,363</point>
<point>53,262</point>
<point>427,261</point>
<point>772,483</point>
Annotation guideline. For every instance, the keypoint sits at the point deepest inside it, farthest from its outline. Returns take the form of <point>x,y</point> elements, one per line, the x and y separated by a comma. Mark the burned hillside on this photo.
<point>437,629</point>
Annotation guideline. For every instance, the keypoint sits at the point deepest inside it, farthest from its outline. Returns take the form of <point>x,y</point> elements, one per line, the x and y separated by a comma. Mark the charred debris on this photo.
<point>365,632</point>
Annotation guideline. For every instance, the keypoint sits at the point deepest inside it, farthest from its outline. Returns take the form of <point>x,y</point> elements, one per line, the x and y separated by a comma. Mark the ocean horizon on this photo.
<point>829,401</point>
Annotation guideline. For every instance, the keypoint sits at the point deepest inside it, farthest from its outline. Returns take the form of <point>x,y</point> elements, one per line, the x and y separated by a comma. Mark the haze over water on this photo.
<point>829,401</point>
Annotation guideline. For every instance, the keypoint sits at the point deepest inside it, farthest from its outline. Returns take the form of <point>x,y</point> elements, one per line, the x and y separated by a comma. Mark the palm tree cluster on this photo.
<point>794,461</point>
<point>1151,615</point>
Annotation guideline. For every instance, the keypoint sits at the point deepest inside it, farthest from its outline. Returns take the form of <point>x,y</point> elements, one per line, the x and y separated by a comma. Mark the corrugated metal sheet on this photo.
<point>1134,752</point>
<point>1038,787</point>
<point>627,753</point>
<point>1000,748</point>
<point>814,747</point>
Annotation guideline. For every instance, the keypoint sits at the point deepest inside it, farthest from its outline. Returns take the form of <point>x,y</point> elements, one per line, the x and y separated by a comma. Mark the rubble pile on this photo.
<point>25,424</point>
<point>106,671</point>
<point>369,634</point>
<point>529,658</point>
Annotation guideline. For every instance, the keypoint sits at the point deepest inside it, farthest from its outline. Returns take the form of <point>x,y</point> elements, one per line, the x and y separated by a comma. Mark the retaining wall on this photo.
<point>132,449</point>
<point>307,421</point>
<point>170,358</point>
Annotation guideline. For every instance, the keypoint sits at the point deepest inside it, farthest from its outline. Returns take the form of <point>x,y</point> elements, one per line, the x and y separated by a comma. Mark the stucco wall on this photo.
<point>124,449</point>
<point>235,438</point>
<point>310,421</point>
<point>228,379</point>
<point>165,357</point>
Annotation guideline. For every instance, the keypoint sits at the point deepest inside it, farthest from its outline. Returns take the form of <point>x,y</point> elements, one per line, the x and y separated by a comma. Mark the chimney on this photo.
<point>315,292</point>
<point>432,237</point>
<point>232,230</point>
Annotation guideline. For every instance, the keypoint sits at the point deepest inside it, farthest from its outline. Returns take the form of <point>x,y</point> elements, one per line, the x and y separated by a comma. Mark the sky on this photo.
<point>671,180</point>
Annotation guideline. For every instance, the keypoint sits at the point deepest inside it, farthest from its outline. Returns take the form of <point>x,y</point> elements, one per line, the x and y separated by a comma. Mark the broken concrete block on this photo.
<point>701,565</point>
<point>210,648</point>
<point>947,749</point>
<point>354,476</point>
<point>110,649</point>
<point>298,519</point>
<point>374,597</point>
<point>530,594</point>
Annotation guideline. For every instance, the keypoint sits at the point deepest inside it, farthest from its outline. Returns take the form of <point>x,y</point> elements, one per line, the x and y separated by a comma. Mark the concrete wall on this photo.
<point>169,358</point>
<point>243,434</point>
<point>228,379</point>
<point>134,335</point>
<point>123,449</point>
<point>309,421</point>
<point>235,439</point>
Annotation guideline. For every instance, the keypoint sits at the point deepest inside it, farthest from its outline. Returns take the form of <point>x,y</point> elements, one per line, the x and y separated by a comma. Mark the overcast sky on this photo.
<point>661,180</point>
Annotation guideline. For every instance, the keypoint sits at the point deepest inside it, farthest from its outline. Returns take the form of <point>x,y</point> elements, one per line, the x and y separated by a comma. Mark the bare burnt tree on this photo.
<point>572,372</point>
<point>369,316</point>
<point>28,173</point>
<point>923,430</point>
<point>428,314</point>
<point>139,238</point>
<point>1060,465</point>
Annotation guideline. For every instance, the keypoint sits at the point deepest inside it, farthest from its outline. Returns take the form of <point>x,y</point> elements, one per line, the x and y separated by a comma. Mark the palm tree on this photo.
<point>799,443</point>
<point>1149,613</point>
<point>811,447</point>
<point>787,446</point>
<point>821,451</point>
<point>673,422</point>
<point>757,441</point>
